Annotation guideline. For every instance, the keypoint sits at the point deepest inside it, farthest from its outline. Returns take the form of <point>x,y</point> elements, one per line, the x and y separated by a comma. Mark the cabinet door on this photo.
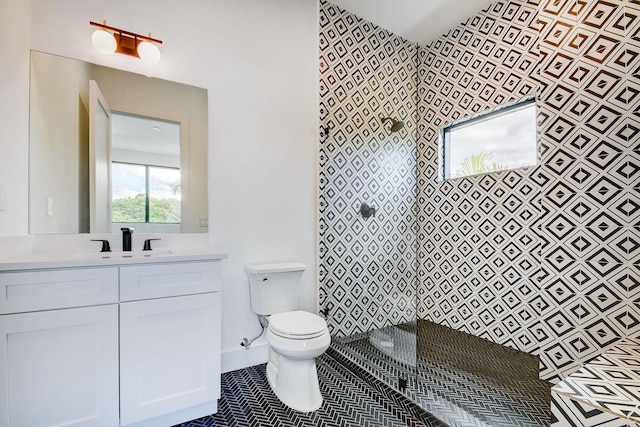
<point>59,368</point>
<point>169,355</point>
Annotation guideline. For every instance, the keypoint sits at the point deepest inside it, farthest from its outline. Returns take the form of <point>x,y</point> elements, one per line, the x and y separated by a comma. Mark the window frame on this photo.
<point>444,149</point>
<point>147,190</point>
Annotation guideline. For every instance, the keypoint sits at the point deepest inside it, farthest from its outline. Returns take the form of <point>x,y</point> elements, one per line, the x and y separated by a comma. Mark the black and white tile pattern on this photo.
<point>589,74</point>
<point>351,398</point>
<point>606,387</point>
<point>567,412</point>
<point>367,266</point>
<point>461,379</point>
<point>546,259</point>
<point>478,237</point>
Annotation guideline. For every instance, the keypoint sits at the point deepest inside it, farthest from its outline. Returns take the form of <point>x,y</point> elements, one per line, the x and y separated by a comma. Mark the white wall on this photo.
<point>59,121</point>
<point>14,118</point>
<point>259,61</point>
<point>265,103</point>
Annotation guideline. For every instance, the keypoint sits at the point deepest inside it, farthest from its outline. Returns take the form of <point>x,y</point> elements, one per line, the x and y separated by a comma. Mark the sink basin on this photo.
<point>123,255</point>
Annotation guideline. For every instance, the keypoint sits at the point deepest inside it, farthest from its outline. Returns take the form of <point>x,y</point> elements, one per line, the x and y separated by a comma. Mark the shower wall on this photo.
<point>545,259</point>
<point>479,244</point>
<point>367,266</point>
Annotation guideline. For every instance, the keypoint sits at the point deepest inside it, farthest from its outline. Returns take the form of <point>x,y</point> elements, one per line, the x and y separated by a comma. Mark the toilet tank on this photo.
<point>274,287</point>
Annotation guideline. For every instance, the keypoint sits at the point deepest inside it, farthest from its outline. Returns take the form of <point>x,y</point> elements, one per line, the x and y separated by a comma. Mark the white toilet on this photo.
<point>295,337</point>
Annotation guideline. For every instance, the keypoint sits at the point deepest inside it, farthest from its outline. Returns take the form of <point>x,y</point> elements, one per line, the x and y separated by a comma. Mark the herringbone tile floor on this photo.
<point>458,378</point>
<point>350,399</point>
<point>461,379</point>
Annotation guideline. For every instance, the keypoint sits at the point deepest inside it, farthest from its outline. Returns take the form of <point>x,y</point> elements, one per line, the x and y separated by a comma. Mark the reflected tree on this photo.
<point>477,164</point>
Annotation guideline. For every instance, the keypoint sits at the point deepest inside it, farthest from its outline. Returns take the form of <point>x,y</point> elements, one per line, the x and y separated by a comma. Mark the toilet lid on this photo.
<point>297,324</point>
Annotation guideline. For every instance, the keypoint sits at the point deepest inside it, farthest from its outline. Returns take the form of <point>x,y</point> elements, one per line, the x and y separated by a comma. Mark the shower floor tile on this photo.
<point>461,379</point>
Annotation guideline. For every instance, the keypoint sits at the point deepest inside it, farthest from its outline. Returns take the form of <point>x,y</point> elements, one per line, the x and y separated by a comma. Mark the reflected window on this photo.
<point>498,140</point>
<point>145,193</point>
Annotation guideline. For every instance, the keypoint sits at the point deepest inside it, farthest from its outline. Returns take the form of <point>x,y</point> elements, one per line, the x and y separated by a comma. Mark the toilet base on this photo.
<point>294,382</point>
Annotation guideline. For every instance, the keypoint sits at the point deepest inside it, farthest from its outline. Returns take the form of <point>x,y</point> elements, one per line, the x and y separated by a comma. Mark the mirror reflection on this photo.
<point>145,170</point>
<point>110,149</point>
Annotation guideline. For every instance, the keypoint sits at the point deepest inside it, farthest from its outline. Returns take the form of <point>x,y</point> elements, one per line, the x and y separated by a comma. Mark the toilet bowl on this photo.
<point>295,339</point>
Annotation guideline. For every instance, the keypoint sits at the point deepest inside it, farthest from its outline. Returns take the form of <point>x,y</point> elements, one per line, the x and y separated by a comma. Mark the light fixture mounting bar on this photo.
<point>126,33</point>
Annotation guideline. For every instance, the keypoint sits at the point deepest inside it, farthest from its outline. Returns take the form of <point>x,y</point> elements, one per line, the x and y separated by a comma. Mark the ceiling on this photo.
<point>145,134</point>
<point>419,21</point>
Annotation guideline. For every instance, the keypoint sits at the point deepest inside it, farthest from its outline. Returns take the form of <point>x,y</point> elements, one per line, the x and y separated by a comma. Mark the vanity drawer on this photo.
<point>46,290</point>
<point>167,280</point>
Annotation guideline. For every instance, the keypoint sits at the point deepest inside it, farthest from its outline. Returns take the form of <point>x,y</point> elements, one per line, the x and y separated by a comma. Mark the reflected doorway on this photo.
<point>146,175</point>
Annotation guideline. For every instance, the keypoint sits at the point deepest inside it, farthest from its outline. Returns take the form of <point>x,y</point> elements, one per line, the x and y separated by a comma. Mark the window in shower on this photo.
<point>501,139</point>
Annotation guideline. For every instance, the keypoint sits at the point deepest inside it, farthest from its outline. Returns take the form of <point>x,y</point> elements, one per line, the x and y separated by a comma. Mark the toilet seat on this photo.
<point>297,325</point>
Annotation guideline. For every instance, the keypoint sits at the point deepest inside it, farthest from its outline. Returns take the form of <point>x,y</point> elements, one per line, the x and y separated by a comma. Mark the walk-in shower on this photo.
<point>368,194</point>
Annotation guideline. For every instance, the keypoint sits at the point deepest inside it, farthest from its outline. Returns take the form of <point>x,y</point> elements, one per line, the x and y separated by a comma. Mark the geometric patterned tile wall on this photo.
<point>590,92</point>
<point>604,392</point>
<point>567,233</point>
<point>367,269</point>
<point>478,239</point>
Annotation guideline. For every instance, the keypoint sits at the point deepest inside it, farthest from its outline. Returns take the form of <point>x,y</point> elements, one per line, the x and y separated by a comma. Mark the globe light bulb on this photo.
<point>148,52</point>
<point>104,41</point>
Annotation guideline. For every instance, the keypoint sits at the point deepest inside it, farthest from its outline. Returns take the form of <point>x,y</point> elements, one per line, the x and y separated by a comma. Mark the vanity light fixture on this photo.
<point>109,39</point>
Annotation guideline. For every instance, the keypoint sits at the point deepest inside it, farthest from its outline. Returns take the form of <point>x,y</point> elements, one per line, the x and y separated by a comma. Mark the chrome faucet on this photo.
<point>126,238</point>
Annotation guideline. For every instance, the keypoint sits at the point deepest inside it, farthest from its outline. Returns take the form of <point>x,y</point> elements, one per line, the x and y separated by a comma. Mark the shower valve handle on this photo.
<point>366,211</point>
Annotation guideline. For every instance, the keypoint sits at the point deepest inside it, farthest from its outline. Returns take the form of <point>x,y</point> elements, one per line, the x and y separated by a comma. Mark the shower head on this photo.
<point>396,124</point>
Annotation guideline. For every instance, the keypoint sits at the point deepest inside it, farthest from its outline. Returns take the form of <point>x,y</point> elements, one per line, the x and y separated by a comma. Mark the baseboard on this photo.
<point>233,360</point>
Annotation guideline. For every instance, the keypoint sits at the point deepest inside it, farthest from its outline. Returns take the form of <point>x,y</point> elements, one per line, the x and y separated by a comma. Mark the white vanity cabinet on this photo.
<point>169,347</point>
<point>128,344</point>
<point>59,364</point>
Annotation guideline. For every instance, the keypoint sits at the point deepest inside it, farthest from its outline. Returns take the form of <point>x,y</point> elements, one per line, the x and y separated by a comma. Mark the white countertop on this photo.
<point>41,260</point>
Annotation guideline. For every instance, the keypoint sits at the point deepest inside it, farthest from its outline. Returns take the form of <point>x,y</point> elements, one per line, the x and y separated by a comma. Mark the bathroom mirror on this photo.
<point>99,156</point>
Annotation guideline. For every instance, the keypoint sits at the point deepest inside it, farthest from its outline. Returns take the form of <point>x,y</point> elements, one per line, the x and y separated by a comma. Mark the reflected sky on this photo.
<point>509,137</point>
<point>129,181</point>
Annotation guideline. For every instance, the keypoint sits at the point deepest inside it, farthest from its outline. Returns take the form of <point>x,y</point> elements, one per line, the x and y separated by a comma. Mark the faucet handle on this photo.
<point>105,245</point>
<point>147,244</point>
